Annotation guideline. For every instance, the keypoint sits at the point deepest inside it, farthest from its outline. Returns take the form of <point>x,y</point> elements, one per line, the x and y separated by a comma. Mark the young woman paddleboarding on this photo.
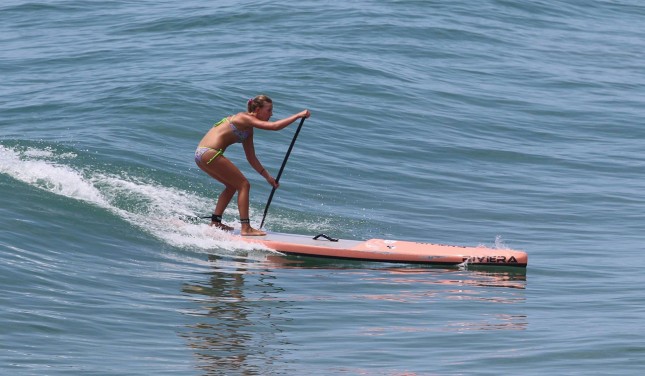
<point>238,128</point>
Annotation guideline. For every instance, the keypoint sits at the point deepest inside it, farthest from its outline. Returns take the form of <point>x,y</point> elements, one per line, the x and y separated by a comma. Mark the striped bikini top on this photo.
<point>241,134</point>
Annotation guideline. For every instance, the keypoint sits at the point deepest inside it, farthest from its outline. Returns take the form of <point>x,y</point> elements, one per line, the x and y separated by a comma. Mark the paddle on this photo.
<point>284,163</point>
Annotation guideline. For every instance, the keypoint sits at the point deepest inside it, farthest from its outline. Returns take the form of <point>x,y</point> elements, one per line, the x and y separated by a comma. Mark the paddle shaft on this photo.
<point>284,163</point>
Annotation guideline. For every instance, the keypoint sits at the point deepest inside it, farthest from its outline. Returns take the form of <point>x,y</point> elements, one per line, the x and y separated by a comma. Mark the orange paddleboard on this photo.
<point>395,251</point>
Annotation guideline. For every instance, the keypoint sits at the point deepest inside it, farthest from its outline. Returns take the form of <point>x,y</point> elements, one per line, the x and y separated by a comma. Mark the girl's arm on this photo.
<point>252,121</point>
<point>249,151</point>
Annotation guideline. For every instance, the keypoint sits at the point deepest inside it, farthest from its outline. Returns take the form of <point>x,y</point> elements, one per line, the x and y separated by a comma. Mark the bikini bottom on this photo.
<point>203,149</point>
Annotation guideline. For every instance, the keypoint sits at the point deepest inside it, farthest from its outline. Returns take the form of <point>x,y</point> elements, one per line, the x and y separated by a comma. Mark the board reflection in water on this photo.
<point>261,316</point>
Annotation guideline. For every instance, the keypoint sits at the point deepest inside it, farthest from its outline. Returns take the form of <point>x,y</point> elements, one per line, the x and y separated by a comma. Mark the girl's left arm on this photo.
<point>249,151</point>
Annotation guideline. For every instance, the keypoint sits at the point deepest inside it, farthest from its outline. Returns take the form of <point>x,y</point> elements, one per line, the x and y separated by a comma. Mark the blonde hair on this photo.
<point>257,102</point>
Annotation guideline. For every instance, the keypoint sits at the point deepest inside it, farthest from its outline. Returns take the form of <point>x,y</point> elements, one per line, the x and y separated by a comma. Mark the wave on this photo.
<point>166,213</point>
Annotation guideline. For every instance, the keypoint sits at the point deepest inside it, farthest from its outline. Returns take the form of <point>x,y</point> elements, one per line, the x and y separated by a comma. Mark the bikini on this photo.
<point>242,135</point>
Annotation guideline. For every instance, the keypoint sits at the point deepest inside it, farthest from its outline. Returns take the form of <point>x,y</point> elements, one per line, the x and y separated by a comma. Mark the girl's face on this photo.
<point>265,113</point>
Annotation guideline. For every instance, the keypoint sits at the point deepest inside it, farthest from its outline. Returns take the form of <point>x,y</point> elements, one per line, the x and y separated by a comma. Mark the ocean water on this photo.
<point>506,123</point>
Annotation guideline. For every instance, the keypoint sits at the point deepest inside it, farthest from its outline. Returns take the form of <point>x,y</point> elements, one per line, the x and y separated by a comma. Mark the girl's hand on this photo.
<point>272,181</point>
<point>304,114</point>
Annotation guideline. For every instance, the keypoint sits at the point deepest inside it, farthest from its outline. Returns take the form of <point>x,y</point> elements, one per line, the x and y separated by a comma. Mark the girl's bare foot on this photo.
<point>250,231</point>
<point>222,226</point>
<point>247,230</point>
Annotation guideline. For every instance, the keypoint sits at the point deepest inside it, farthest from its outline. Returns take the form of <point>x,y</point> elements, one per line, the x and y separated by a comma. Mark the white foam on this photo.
<point>159,210</point>
<point>499,243</point>
<point>49,176</point>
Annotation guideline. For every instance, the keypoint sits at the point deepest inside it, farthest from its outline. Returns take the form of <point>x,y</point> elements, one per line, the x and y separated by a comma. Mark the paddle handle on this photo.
<point>284,163</point>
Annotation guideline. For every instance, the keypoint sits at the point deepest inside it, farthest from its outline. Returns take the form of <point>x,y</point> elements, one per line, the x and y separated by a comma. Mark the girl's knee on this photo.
<point>244,185</point>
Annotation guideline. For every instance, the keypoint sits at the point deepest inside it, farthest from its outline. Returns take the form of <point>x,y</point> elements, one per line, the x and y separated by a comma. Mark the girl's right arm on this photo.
<point>275,125</point>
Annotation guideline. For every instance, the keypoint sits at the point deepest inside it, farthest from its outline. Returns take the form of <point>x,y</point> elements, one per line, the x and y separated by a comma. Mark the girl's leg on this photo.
<point>222,202</point>
<point>224,199</point>
<point>243,194</point>
<point>224,171</point>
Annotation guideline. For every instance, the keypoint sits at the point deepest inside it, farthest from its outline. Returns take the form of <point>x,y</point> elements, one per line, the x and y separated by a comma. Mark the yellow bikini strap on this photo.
<point>220,122</point>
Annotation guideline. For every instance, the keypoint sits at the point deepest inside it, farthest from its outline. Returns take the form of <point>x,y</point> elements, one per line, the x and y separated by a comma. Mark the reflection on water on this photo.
<point>249,316</point>
<point>236,319</point>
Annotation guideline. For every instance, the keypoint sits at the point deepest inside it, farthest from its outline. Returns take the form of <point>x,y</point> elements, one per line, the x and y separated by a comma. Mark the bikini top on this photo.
<point>241,134</point>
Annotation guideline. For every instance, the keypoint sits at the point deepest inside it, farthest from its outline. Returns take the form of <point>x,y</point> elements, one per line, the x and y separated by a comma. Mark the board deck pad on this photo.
<point>382,250</point>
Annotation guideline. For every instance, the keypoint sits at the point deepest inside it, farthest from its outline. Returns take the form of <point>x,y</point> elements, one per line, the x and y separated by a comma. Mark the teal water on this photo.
<point>503,123</point>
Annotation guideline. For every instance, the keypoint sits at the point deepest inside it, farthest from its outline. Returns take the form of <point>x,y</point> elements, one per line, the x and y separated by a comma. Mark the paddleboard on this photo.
<point>393,251</point>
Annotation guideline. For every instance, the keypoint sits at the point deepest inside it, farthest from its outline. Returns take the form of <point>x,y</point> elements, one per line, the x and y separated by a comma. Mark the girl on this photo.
<point>209,156</point>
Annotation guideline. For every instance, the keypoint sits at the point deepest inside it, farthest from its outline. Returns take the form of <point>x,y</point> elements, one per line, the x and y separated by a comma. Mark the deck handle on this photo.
<point>325,237</point>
